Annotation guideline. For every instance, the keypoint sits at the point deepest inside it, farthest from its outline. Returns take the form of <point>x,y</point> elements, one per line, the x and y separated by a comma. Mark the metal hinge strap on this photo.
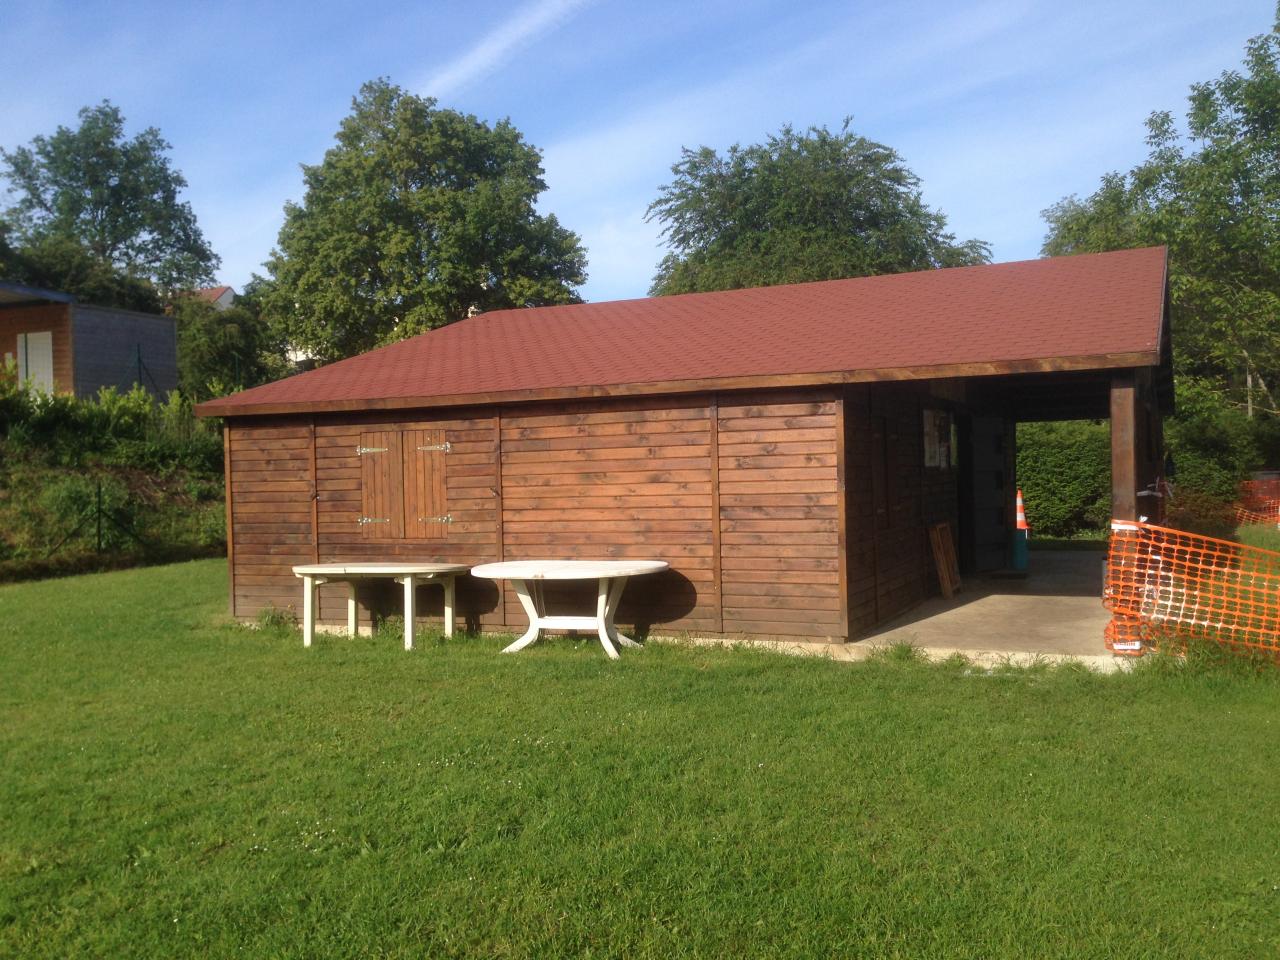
<point>361,451</point>
<point>374,520</point>
<point>446,446</point>
<point>447,518</point>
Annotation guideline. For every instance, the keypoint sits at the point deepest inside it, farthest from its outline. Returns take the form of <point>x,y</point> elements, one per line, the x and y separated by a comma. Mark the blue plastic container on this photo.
<point>1021,549</point>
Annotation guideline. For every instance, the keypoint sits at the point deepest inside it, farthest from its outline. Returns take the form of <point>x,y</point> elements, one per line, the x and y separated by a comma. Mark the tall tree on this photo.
<point>1210,192</point>
<point>221,351</point>
<point>817,205</point>
<point>62,263</point>
<point>115,198</point>
<point>417,217</point>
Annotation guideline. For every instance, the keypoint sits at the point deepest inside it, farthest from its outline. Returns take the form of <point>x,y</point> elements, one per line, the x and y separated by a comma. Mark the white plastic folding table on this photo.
<point>527,577</point>
<point>411,575</point>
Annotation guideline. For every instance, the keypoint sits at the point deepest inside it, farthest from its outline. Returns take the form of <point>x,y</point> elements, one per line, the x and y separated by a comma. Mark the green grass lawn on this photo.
<point>174,785</point>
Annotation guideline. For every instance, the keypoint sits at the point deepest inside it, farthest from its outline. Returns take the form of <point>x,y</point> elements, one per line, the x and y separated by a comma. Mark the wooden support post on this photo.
<point>1125,451</point>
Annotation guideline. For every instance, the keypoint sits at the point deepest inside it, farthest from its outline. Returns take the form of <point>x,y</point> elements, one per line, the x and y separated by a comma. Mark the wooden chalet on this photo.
<point>786,449</point>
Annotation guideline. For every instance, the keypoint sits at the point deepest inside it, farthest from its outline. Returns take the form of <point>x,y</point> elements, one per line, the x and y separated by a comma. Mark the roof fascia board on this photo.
<point>218,408</point>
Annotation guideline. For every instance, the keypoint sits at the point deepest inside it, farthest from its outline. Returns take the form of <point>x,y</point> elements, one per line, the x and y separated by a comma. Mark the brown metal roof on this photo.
<point>1092,311</point>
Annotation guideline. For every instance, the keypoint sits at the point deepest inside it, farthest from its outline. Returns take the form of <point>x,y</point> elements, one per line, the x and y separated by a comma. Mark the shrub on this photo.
<point>160,471</point>
<point>1214,445</point>
<point>1064,471</point>
<point>124,429</point>
<point>1202,513</point>
<point>73,498</point>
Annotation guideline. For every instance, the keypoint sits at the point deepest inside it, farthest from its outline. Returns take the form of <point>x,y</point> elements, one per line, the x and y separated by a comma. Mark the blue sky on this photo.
<point>1001,107</point>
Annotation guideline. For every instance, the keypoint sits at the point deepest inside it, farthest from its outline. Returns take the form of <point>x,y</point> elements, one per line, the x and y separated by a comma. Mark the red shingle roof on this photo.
<point>1102,310</point>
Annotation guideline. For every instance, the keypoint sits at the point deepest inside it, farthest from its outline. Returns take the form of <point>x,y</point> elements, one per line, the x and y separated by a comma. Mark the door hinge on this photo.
<point>361,451</point>
<point>446,447</point>
<point>447,518</point>
<point>363,520</point>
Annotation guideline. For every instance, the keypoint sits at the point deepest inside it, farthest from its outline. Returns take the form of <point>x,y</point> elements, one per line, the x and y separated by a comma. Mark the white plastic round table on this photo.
<point>526,578</point>
<point>409,574</point>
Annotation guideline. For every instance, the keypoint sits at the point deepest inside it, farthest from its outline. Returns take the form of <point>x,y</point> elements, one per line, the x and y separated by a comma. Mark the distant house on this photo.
<point>220,297</point>
<point>61,346</point>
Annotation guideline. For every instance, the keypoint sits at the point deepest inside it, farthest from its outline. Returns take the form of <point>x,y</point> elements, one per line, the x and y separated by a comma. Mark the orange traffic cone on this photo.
<point>1022,514</point>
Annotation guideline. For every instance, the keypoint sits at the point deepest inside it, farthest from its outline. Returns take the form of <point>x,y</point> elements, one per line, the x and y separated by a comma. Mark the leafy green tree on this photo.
<point>816,205</point>
<point>116,198</point>
<point>417,217</point>
<point>221,351</point>
<point>1210,192</point>
<point>63,264</point>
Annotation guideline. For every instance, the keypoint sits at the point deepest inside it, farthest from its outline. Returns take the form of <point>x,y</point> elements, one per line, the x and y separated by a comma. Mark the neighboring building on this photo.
<point>786,449</point>
<point>61,346</point>
<point>220,297</point>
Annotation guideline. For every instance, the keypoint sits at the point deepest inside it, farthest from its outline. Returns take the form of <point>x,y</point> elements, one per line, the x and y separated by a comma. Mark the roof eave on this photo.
<point>1108,361</point>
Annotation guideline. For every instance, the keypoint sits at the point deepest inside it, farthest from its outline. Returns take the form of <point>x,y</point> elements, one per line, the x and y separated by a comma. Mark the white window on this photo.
<point>35,359</point>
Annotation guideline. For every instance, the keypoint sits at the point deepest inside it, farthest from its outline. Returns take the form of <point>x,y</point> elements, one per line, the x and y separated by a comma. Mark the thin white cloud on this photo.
<point>531,21</point>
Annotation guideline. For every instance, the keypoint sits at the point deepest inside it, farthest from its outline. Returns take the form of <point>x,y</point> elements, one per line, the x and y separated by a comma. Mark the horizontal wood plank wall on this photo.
<point>629,478</point>
<point>620,479</point>
<point>779,515</point>
<point>471,498</point>
<point>271,523</point>
<point>52,317</point>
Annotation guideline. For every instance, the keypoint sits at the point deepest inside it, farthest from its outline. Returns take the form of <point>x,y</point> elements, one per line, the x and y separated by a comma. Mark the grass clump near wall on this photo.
<point>179,786</point>
<point>109,481</point>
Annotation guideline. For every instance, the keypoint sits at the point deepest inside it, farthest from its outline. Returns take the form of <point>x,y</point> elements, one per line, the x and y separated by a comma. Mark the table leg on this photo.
<point>410,614</point>
<point>450,597</point>
<point>604,592</point>
<point>533,611</point>
<point>353,609</point>
<point>308,610</point>
<point>615,598</point>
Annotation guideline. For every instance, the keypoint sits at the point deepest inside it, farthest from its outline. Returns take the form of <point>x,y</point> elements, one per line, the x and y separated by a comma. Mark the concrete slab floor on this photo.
<point>1054,612</point>
<point>1052,615</point>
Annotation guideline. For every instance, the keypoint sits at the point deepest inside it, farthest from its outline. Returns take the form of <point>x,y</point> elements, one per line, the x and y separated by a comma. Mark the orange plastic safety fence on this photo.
<point>1259,494</point>
<point>1269,514</point>
<point>1165,587</point>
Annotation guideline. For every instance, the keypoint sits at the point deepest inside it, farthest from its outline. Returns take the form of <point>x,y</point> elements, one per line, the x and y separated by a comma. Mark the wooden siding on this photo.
<point>52,317</point>
<point>470,495</point>
<point>617,480</point>
<point>780,516</point>
<point>734,490</point>
<point>270,489</point>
